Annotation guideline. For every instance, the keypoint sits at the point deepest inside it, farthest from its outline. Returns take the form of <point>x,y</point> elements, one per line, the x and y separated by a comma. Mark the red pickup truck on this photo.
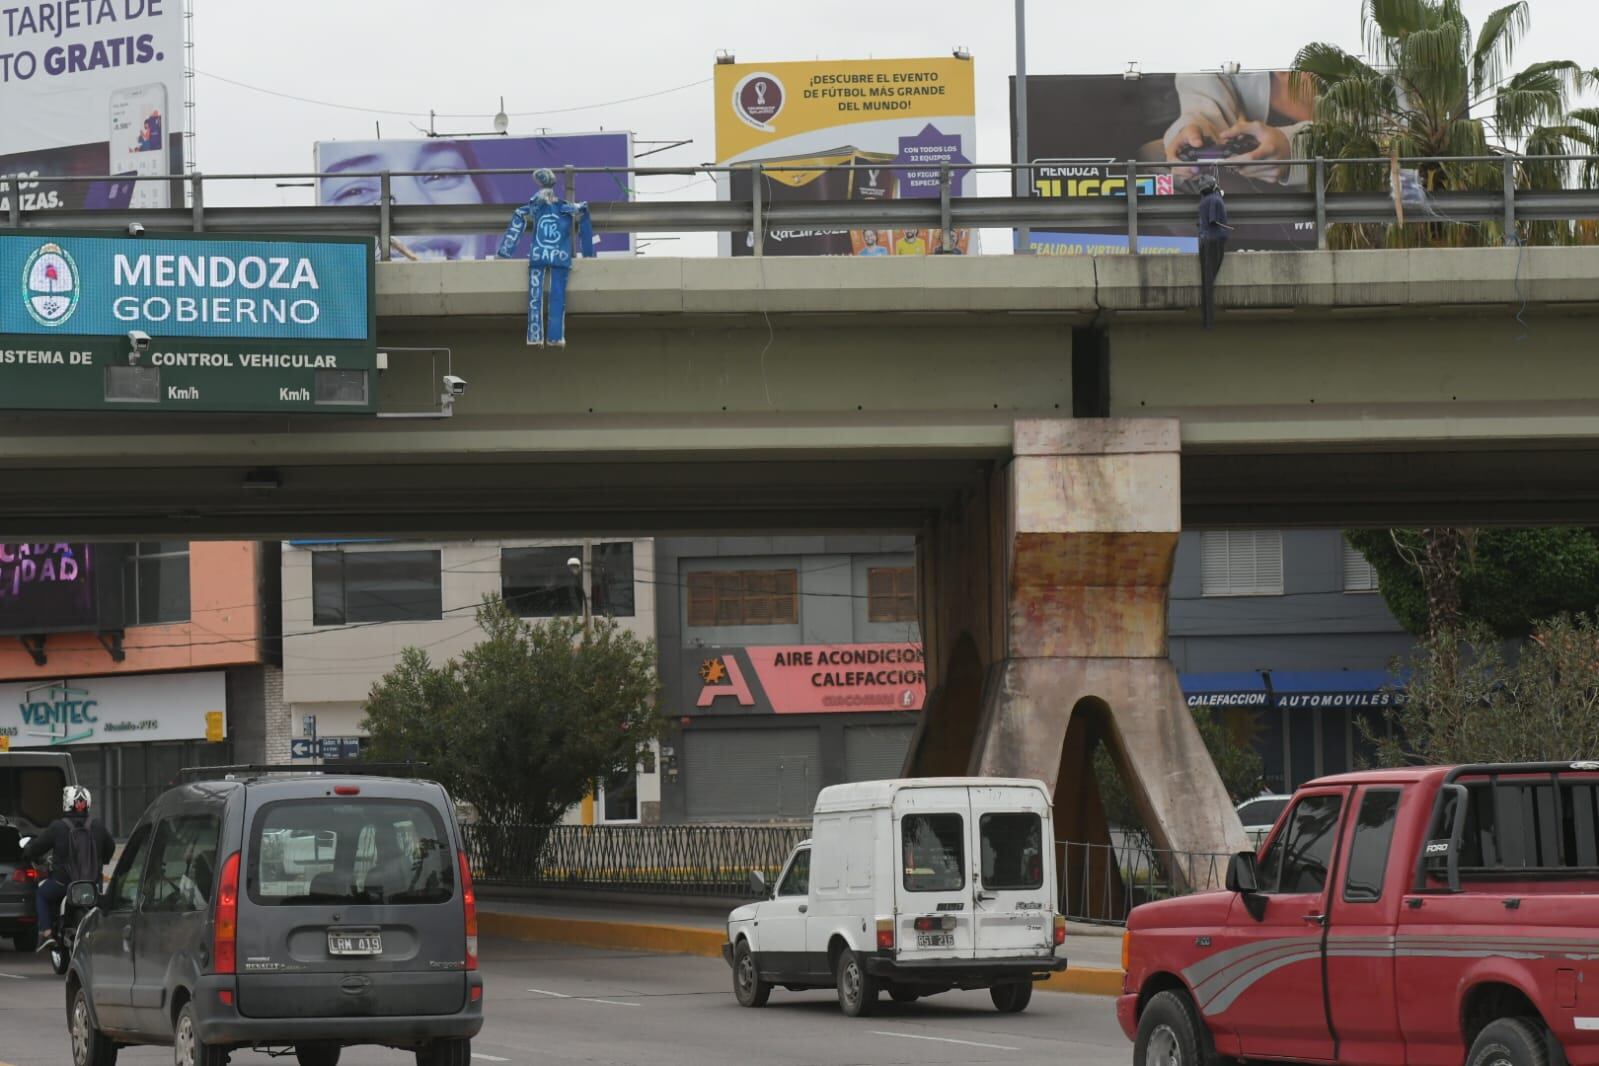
<point>1437,915</point>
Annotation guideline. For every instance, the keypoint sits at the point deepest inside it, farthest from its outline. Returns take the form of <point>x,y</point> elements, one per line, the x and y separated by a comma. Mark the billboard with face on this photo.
<point>1082,129</point>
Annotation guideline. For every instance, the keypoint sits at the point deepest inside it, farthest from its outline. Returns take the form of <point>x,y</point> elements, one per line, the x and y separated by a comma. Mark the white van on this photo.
<point>911,886</point>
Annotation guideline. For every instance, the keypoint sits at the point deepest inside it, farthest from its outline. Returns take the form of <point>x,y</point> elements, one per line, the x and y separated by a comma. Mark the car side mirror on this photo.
<point>1242,874</point>
<point>83,894</point>
<point>758,886</point>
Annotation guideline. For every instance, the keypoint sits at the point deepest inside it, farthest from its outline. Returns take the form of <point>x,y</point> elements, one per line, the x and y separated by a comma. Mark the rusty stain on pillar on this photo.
<point>1077,534</point>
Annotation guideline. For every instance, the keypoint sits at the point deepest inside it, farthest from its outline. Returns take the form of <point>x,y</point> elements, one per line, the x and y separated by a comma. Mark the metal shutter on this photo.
<point>875,752</point>
<point>751,775</point>
<point>1242,563</point>
<point>1359,575</point>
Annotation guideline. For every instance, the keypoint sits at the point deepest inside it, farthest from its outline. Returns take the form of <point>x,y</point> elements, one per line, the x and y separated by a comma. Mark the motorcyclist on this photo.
<point>79,846</point>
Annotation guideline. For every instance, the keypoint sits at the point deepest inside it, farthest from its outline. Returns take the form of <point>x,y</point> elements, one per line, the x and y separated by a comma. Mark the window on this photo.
<point>347,854</point>
<point>743,598</point>
<point>1368,854</point>
<point>1013,850</point>
<point>124,889</point>
<point>34,792</point>
<point>618,799</point>
<point>1299,857</point>
<point>1260,812</point>
<point>1521,824</point>
<point>891,594</point>
<point>183,865</point>
<point>156,583</point>
<point>398,586</point>
<point>1359,575</point>
<point>797,881</point>
<point>935,852</point>
<point>1242,563</point>
<point>538,583</point>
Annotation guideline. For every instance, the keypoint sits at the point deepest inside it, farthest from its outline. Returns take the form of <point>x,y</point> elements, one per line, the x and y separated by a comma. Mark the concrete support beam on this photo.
<point>1051,586</point>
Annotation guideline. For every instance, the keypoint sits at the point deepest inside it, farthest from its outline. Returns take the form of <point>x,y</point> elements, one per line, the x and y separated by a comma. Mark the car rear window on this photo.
<point>1013,850</point>
<point>306,852</point>
<point>1261,812</point>
<point>934,852</point>
<point>33,792</point>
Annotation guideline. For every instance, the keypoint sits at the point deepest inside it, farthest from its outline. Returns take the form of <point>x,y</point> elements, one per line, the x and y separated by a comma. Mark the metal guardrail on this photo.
<point>759,214</point>
<point>1102,883</point>
<point>699,860</point>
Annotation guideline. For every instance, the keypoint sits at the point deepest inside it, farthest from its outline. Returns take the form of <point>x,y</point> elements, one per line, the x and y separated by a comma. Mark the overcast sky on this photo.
<point>461,57</point>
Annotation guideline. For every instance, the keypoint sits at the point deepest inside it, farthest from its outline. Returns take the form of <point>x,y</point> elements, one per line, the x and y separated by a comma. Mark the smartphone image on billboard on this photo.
<point>138,141</point>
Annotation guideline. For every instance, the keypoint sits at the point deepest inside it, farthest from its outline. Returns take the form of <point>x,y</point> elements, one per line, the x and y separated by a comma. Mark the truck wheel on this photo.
<point>1168,1033</point>
<point>748,988</point>
<point>1011,998</point>
<point>89,1046</point>
<point>857,989</point>
<point>1510,1042</point>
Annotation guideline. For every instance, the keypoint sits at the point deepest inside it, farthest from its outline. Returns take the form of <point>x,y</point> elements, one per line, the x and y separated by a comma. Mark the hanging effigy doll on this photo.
<point>549,256</point>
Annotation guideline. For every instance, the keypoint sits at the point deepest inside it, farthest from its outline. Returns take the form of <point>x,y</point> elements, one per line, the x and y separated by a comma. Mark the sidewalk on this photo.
<point>1094,952</point>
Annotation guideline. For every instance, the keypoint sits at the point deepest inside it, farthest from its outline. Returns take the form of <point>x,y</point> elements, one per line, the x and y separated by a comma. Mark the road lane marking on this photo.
<point>488,1058</point>
<point>583,999</point>
<point>945,1040</point>
<point>13,977</point>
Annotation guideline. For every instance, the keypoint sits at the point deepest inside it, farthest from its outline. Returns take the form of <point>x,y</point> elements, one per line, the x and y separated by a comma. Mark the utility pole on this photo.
<point>1024,176</point>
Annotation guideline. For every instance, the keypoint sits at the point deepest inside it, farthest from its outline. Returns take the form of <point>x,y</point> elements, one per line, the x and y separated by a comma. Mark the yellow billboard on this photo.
<point>891,122</point>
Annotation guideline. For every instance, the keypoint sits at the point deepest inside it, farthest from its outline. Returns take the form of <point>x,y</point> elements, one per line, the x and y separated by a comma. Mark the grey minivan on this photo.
<point>277,910</point>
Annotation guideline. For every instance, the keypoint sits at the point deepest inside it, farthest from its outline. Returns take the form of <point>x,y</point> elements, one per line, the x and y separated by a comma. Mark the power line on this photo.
<point>423,113</point>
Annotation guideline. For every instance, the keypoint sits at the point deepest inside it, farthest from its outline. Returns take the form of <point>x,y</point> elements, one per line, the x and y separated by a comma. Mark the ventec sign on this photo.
<point>234,324</point>
<point>105,286</point>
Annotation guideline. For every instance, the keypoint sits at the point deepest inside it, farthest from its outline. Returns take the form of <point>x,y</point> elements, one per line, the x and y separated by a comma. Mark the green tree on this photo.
<point>1435,580</point>
<point>1433,88</point>
<point>527,720</point>
<point>1466,701</point>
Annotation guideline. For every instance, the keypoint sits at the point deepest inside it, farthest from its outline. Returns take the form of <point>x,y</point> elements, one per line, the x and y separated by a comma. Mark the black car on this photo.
<point>277,910</point>
<point>30,799</point>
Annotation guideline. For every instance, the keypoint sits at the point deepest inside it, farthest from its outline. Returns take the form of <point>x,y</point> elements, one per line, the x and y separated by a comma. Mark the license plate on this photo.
<point>935,940</point>
<point>355,943</point>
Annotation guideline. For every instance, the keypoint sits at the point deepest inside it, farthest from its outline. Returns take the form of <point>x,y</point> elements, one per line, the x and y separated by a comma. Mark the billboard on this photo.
<point>1083,128</point>
<point>100,710</point>
<point>58,588</point>
<point>805,678</point>
<point>894,119</point>
<point>187,322</point>
<point>91,90</point>
<point>347,166</point>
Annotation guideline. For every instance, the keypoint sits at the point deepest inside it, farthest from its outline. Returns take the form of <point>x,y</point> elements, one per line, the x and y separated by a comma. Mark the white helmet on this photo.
<point>71,795</point>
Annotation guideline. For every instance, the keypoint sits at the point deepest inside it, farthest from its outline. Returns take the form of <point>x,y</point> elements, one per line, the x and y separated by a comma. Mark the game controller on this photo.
<point>1234,146</point>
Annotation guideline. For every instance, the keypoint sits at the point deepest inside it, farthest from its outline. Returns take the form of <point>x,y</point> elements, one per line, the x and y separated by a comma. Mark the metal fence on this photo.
<point>1101,883</point>
<point>1507,190</point>
<point>699,860</point>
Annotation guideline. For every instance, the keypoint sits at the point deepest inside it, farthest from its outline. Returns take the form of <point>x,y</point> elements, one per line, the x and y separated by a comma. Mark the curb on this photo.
<point>688,940</point>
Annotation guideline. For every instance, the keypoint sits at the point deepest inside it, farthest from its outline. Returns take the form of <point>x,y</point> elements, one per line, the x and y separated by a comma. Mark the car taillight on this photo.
<point>225,938</point>
<point>1060,929</point>
<point>885,934</point>
<point>469,899</point>
<point>942,923</point>
<point>26,875</point>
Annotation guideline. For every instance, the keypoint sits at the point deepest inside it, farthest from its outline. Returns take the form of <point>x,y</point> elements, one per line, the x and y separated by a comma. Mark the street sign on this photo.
<point>5,742</point>
<point>299,748</point>
<point>186,322</point>
<point>213,726</point>
<point>308,726</point>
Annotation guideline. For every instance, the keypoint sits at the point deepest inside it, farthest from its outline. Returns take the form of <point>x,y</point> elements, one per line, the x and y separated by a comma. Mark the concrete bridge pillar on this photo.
<point>1044,616</point>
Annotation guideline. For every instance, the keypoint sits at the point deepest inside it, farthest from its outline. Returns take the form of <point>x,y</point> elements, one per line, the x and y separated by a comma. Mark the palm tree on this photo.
<point>1430,89</point>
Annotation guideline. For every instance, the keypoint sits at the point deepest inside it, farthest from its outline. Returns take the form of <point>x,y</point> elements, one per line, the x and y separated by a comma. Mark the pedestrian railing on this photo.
<point>700,860</point>
<point>1102,883</point>
<point>1507,190</point>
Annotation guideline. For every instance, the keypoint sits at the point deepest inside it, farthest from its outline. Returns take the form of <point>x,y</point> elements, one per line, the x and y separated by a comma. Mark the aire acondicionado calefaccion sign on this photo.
<point>186,323</point>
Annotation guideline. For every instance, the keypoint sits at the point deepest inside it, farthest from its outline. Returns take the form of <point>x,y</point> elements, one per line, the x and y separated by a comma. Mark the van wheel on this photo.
<point>1510,1042</point>
<point>1011,998</point>
<point>1168,1033</point>
<point>187,1047</point>
<point>317,1054</point>
<point>453,1052</point>
<point>89,1045</point>
<point>903,993</point>
<point>28,941</point>
<point>748,988</point>
<point>857,989</point>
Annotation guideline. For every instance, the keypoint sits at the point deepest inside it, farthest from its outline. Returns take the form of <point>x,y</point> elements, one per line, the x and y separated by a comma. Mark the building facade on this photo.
<point>788,664</point>
<point>139,659</point>
<point>350,608</point>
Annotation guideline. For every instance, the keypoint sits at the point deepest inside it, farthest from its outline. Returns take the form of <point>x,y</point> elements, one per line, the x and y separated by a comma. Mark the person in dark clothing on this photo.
<point>1213,231</point>
<point>68,863</point>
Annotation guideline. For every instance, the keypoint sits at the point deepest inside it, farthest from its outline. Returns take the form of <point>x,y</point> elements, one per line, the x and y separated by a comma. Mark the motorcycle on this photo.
<point>67,920</point>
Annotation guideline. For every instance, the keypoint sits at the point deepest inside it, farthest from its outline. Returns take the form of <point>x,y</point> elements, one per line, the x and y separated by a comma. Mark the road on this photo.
<point>550,1003</point>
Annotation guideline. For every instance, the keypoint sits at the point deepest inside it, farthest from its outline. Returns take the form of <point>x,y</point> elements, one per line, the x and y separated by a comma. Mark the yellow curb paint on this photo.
<point>688,940</point>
